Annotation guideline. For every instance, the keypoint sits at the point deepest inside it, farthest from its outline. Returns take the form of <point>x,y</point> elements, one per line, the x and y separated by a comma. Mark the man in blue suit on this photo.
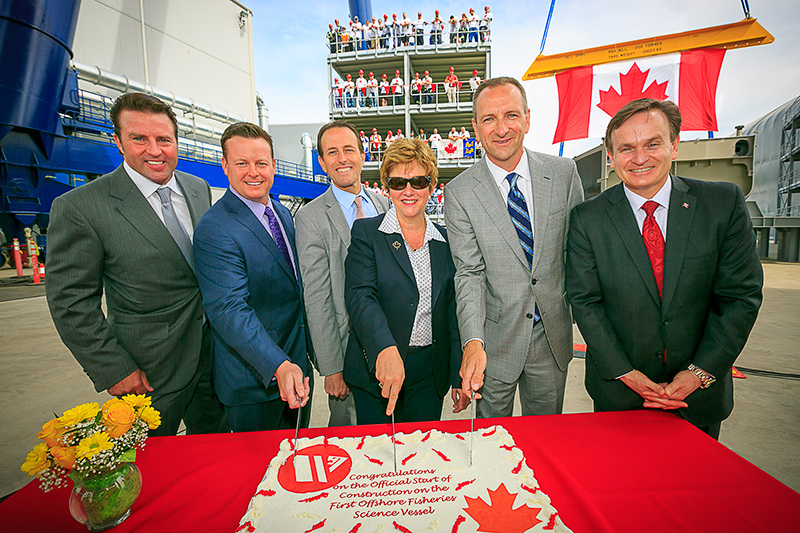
<point>246,264</point>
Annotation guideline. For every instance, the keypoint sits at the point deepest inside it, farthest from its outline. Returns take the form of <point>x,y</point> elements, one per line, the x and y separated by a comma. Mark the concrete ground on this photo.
<point>39,379</point>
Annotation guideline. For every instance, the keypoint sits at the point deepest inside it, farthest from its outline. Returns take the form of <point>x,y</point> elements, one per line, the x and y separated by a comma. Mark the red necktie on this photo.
<point>654,242</point>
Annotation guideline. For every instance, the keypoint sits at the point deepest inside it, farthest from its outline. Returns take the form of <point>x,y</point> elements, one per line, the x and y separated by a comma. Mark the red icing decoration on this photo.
<point>371,460</point>
<point>551,524</point>
<point>460,520</point>
<point>247,525</point>
<point>500,515</point>
<point>316,526</point>
<point>315,468</point>
<point>490,433</point>
<point>533,490</point>
<point>518,467</point>
<point>355,528</point>
<point>398,442</point>
<point>507,447</point>
<point>361,443</point>
<point>325,440</point>
<point>398,527</point>
<point>427,436</point>
<point>314,498</point>
<point>409,457</point>
<point>464,484</point>
<point>460,437</point>
<point>268,492</point>
<point>440,454</point>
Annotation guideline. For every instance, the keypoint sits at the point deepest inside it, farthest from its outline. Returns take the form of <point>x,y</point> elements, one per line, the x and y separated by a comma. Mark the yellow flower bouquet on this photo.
<point>89,439</point>
<point>95,447</point>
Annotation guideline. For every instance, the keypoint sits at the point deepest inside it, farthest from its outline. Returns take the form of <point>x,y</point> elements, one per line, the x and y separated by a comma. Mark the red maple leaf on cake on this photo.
<point>450,148</point>
<point>632,85</point>
<point>499,516</point>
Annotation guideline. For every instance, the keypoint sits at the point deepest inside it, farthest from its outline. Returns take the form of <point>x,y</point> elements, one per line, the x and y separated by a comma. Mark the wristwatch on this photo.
<point>706,379</point>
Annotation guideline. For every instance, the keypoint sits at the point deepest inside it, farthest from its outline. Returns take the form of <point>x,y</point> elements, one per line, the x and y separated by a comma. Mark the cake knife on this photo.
<point>471,425</point>
<point>296,431</point>
<point>394,446</point>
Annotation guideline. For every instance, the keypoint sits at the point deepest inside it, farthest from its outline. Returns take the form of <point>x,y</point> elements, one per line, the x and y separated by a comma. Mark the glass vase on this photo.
<point>102,501</point>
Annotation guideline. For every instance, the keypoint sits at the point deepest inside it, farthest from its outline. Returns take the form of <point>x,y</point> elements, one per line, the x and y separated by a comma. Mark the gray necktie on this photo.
<point>174,225</point>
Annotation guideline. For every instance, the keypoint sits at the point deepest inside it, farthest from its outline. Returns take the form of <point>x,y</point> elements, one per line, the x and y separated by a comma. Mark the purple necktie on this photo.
<point>277,234</point>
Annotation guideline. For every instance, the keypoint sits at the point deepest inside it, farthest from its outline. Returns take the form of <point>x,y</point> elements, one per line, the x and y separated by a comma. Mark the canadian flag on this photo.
<point>589,96</point>
<point>449,149</point>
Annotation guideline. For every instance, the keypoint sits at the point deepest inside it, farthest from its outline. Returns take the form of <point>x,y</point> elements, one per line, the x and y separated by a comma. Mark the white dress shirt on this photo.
<point>523,183</point>
<point>661,212</point>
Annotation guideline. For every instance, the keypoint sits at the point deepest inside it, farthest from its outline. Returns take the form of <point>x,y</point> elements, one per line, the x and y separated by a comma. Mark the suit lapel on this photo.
<point>335,215</point>
<point>679,222</point>
<point>496,208</point>
<point>541,187</point>
<point>193,200</point>
<point>398,250</point>
<point>380,202</point>
<point>246,218</point>
<point>623,219</point>
<point>137,210</point>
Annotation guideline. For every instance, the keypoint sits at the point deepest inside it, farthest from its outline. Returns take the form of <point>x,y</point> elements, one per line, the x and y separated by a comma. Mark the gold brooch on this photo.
<point>396,245</point>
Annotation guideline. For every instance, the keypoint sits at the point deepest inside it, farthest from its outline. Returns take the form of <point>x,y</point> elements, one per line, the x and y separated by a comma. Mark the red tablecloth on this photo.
<point>635,471</point>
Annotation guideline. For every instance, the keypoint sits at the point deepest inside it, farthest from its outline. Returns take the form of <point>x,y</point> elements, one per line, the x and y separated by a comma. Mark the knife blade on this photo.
<point>394,446</point>
<point>296,431</point>
<point>471,425</point>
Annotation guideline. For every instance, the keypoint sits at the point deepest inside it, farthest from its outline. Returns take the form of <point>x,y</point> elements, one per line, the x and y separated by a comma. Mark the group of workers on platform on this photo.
<point>374,145</point>
<point>384,34</point>
<point>218,312</point>
<point>369,92</point>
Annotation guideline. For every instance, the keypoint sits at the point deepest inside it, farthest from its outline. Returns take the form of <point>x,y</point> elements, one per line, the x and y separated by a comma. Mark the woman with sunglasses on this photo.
<point>404,351</point>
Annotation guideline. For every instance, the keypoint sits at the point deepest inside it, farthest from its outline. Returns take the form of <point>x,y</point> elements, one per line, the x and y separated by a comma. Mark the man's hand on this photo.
<point>460,400</point>
<point>654,394</point>
<point>135,383</point>
<point>684,383</point>
<point>473,365</point>
<point>391,373</point>
<point>335,386</point>
<point>294,388</point>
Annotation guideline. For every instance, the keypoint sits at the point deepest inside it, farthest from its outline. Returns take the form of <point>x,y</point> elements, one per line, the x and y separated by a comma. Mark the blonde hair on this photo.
<point>405,151</point>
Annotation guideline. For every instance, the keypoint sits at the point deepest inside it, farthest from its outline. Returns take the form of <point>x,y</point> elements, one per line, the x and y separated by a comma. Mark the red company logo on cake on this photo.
<point>315,468</point>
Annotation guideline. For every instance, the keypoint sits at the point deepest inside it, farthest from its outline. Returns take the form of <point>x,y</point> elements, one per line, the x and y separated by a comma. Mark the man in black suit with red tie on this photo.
<point>663,277</point>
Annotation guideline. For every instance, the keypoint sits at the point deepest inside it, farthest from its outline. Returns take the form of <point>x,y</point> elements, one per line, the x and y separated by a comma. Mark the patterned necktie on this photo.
<point>277,234</point>
<point>518,209</point>
<point>654,242</point>
<point>359,208</point>
<point>174,225</point>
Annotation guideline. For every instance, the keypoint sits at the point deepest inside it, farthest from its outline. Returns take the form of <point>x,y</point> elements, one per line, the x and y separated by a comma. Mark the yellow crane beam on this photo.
<point>747,32</point>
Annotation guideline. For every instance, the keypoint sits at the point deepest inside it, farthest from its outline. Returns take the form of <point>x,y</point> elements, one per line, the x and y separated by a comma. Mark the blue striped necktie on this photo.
<point>518,209</point>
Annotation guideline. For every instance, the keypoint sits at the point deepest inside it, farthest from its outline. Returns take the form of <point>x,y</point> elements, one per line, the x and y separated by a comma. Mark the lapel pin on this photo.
<point>685,205</point>
<point>396,245</point>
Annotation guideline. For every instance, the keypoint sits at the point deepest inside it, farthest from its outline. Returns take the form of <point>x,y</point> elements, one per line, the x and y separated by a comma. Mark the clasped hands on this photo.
<point>663,395</point>
<point>391,372</point>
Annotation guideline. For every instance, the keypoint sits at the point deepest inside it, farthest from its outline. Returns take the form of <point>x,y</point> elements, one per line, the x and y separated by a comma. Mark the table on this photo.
<point>637,471</point>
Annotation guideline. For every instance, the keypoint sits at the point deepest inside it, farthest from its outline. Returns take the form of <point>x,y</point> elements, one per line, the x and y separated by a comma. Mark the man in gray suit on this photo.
<point>507,220</point>
<point>128,234</point>
<point>323,237</point>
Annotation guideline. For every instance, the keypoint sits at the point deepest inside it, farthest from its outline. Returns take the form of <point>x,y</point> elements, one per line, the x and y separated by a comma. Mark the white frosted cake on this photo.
<point>349,485</point>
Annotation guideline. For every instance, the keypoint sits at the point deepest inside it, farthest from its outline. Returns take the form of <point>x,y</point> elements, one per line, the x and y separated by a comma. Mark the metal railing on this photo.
<point>461,40</point>
<point>789,211</point>
<point>374,154</point>
<point>789,179</point>
<point>377,103</point>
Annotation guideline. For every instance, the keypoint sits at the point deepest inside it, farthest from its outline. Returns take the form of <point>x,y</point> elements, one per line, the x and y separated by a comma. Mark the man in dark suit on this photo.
<point>663,276</point>
<point>323,236</point>
<point>128,234</point>
<point>245,258</point>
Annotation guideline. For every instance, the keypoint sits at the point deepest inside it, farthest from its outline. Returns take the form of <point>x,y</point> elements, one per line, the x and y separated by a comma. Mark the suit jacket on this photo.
<point>253,300</point>
<point>495,289</point>
<point>711,294</point>
<point>323,237</point>
<point>382,298</point>
<point>105,236</point>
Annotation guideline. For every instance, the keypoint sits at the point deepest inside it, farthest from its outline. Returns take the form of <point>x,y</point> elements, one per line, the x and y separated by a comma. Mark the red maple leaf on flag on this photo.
<point>631,84</point>
<point>450,148</point>
<point>499,517</point>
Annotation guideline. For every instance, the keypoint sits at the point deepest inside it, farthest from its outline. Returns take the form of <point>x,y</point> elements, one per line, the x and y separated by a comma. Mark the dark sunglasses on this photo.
<point>417,182</point>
